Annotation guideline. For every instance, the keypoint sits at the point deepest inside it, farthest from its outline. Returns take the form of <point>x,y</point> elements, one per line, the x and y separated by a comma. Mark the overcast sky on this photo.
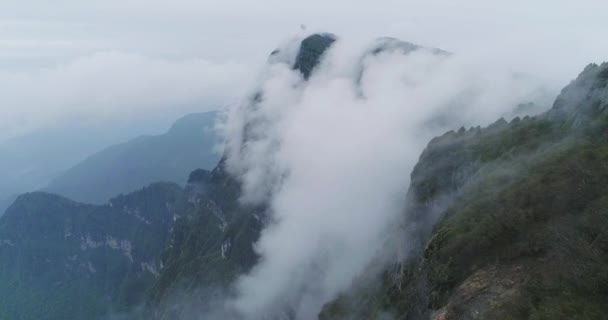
<point>72,59</point>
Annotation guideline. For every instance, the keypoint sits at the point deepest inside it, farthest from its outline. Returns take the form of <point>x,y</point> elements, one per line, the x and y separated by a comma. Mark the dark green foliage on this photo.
<point>525,214</point>
<point>512,223</point>
<point>522,137</point>
<point>536,218</point>
<point>211,244</point>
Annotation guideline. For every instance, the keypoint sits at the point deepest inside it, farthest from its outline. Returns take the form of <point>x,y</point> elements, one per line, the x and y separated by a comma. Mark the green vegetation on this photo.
<point>211,244</point>
<point>524,233</point>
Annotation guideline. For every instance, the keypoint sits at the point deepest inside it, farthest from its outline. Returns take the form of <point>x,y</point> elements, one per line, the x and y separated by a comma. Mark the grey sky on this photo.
<point>57,56</point>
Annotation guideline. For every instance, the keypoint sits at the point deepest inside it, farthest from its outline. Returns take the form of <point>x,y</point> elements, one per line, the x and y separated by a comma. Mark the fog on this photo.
<point>112,87</point>
<point>104,60</point>
<point>332,156</point>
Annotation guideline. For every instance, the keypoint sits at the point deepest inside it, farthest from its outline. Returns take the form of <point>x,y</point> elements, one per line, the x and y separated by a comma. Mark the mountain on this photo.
<point>189,144</point>
<point>514,218</point>
<point>63,259</point>
<point>506,222</point>
<point>67,260</point>
<point>502,222</point>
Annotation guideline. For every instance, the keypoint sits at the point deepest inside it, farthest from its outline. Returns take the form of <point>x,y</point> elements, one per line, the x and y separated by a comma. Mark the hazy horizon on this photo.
<point>70,61</point>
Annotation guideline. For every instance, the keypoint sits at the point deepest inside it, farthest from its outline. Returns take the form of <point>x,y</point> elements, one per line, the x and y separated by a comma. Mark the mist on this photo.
<point>55,116</point>
<point>331,157</point>
<point>114,87</point>
<point>114,60</point>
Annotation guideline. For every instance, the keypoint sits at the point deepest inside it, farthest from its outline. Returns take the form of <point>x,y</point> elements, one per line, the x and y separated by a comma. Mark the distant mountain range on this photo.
<point>123,168</point>
<point>49,159</point>
<point>29,162</point>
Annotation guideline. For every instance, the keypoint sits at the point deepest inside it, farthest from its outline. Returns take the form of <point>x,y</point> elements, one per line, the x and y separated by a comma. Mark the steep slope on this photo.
<point>211,244</point>
<point>522,218</point>
<point>66,260</point>
<point>188,145</point>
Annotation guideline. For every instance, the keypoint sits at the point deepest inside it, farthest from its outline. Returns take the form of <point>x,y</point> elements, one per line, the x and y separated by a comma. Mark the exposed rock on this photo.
<point>311,52</point>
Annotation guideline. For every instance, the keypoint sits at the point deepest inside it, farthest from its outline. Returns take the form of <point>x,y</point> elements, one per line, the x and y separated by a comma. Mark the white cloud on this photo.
<point>333,158</point>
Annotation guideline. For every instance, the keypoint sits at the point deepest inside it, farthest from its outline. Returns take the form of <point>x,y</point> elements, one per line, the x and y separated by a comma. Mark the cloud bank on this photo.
<point>114,86</point>
<point>40,37</point>
<point>332,157</point>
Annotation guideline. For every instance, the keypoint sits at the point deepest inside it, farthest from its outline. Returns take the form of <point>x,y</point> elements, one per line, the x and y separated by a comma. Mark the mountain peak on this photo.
<point>193,122</point>
<point>585,97</point>
<point>311,50</point>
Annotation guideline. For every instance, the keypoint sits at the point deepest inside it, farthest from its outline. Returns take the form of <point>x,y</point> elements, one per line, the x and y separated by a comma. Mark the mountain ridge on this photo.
<point>511,216</point>
<point>122,168</point>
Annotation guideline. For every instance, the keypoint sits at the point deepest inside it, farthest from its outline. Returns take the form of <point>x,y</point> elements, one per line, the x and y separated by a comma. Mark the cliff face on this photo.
<point>511,220</point>
<point>211,244</point>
